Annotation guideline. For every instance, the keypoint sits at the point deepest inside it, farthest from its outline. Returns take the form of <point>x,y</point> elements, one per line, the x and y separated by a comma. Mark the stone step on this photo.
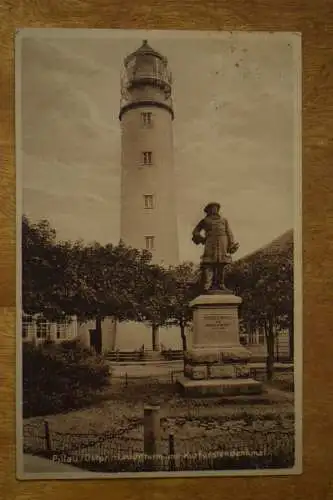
<point>219,387</point>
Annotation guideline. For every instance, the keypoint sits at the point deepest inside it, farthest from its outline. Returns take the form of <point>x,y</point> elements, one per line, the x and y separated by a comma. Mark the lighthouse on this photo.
<point>148,204</point>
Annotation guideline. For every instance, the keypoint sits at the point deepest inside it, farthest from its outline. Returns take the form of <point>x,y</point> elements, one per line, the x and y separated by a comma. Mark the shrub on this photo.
<point>60,377</point>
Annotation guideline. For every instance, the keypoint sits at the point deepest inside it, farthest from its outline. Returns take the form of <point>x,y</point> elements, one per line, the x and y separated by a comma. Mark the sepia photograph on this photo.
<point>159,253</point>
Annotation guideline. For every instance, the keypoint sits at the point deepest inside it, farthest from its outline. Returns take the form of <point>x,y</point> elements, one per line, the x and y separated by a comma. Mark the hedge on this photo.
<point>60,377</point>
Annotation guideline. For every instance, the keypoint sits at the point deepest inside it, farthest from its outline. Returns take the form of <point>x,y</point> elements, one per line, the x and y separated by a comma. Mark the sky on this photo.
<point>236,129</point>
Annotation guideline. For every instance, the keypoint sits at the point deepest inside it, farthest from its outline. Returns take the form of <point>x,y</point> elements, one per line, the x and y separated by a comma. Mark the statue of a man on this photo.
<point>219,246</point>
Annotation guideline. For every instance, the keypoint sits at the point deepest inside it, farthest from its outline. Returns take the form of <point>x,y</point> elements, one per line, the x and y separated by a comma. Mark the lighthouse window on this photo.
<point>150,242</point>
<point>146,118</point>
<point>149,201</point>
<point>147,158</point>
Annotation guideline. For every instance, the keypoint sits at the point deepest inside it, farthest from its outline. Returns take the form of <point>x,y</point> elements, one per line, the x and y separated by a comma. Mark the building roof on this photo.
<point>279,245</point>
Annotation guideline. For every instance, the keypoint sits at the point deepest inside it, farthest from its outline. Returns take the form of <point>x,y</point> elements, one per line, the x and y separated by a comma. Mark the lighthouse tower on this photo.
<point>148,211</point>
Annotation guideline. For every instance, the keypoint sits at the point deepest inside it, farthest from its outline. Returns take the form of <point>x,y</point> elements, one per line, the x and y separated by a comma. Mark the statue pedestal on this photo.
<point>217,364</point>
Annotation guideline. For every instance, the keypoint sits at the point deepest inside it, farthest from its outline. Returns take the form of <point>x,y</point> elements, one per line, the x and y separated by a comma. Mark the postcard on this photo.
<point>159,284</point>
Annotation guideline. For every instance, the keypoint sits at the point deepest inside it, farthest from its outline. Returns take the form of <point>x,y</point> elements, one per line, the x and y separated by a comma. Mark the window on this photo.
<point>25,329</point>
<point>147,119</point>
<point>149,200</point>
<point>147,157</point>
<point>150,242</point>
<point>62,329</point>
<point>261,338</point>
<point>26,323</point>
<point>43,330</point>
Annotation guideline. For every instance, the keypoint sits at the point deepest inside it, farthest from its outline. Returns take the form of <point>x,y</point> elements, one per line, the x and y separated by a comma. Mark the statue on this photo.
<point>219,246</point>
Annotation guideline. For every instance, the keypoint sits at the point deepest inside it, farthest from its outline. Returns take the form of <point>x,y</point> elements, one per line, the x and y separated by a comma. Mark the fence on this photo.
<point>150,449</point>
<point>144,355</point>
<point>257,373</point>
<point>258,354</point>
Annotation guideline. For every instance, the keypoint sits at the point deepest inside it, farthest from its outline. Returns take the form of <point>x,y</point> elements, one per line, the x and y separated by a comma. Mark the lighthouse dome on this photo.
<point>145,50</point>
<point>147,66</point>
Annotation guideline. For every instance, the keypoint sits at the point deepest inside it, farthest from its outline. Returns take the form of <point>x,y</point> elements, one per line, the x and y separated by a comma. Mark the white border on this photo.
<point>295,39</point>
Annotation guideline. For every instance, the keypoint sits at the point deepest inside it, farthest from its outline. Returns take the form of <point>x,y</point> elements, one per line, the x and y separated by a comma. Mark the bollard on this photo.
<point>47,435</point>
<point>172,461</point>
<point>151,435</point>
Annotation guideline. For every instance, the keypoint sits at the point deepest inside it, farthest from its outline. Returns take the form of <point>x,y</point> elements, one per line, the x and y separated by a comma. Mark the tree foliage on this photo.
<point>265,283</point>
<point>95,281</point>
<point>185,287</point>
<point>89,281</point>
<point>41,269</point>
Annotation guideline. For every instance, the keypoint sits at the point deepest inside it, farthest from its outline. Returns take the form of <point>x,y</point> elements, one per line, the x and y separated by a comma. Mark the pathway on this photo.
<point>278,393</point>
<point>38,465</point>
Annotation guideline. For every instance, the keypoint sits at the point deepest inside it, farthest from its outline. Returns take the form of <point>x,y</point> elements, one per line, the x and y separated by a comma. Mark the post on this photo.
<point>172,461</point>
<point>113,334</point>
<point>277,342</point>
<point>126,379</point>
<point>47,436</point>
<point>151,434</point>
<point>155,338</point>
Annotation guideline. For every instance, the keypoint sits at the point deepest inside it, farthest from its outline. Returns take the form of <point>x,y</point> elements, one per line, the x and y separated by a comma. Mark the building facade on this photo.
<point>38,330</point>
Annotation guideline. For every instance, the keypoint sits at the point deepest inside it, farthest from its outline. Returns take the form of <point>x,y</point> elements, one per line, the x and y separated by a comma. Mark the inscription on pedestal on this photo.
<point>218,322</point>
<point>216,327</point>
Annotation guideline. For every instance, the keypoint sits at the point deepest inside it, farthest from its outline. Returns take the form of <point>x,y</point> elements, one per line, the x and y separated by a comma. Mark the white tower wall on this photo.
<point>156,180</point>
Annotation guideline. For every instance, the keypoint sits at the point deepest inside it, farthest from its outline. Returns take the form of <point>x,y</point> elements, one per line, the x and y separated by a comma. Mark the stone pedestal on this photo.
<point>217,364</point>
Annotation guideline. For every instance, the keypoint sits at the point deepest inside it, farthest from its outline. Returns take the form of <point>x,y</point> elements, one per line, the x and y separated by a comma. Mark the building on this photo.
<point>148,204</point>
<point>38,330</point>
<point>256,342</point>
<point>148,200</point>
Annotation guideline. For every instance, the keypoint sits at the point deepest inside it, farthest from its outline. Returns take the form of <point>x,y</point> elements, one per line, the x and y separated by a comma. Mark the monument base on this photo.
<point>217,364</point>
<point>219,387</point>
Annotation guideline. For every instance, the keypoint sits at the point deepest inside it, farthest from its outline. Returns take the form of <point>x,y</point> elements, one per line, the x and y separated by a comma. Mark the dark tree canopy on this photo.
<point>64,278</point>
<point>94,281</point>
<point>265,281</point>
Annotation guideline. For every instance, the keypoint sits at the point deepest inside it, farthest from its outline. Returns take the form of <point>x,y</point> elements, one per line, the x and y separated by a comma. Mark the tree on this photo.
<point>186,283</point>
<point>41,274</point>
<point>265,283</point>
<point>154,298</point>
<point>106,279</point>
<point>62,278</point>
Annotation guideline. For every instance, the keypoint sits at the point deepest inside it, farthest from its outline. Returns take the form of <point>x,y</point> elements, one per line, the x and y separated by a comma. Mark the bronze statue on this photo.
<point>219,246</point>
